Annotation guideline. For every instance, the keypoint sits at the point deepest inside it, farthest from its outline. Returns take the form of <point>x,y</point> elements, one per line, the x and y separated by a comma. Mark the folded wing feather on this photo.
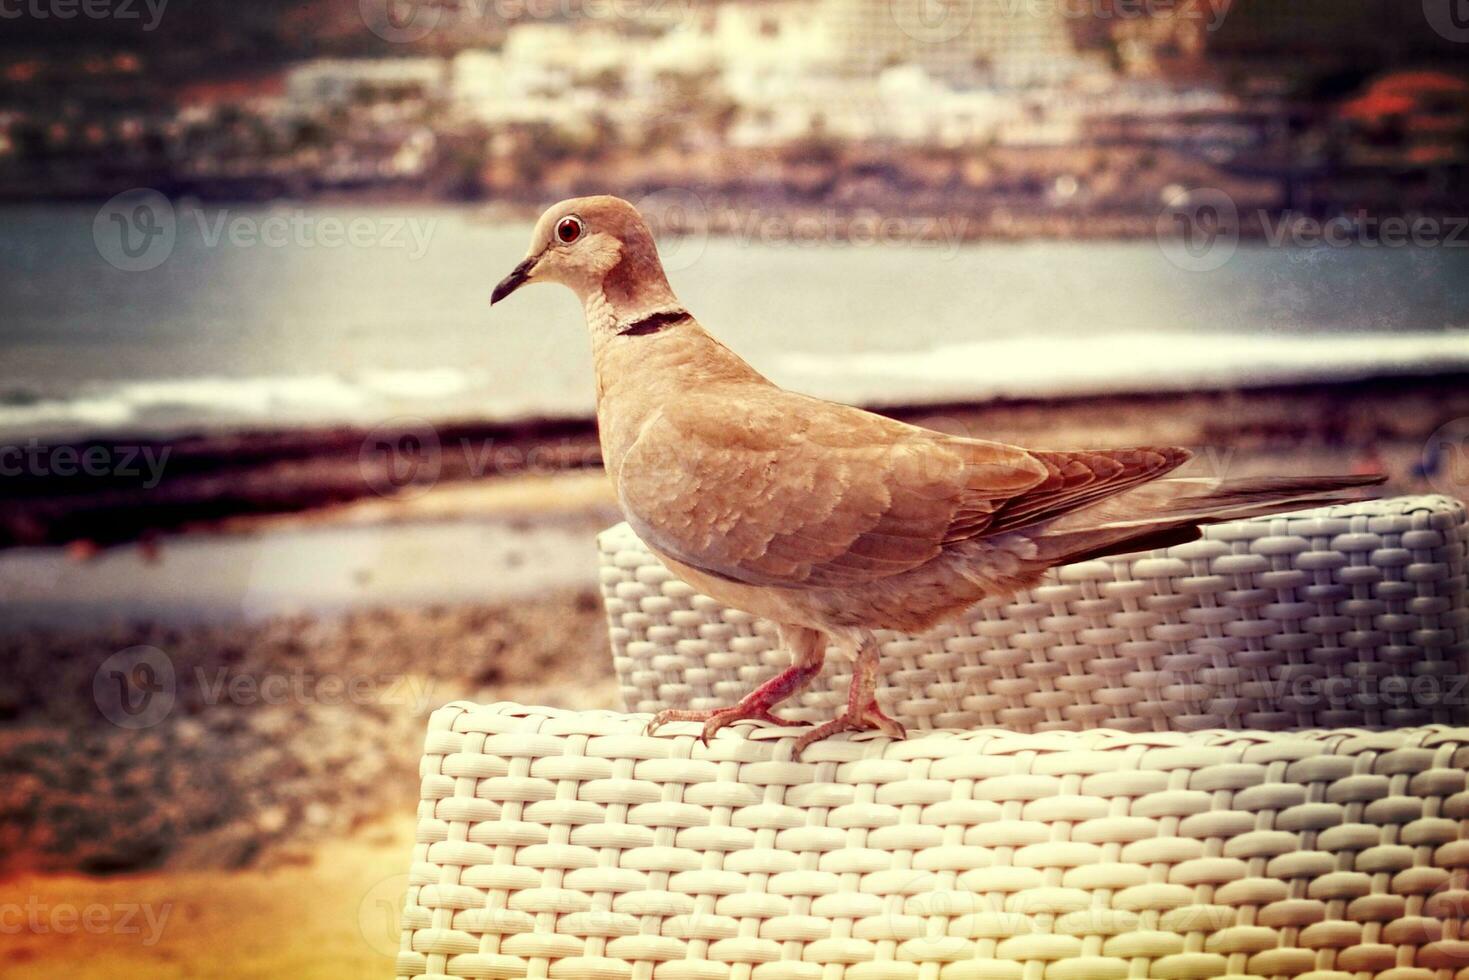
<point>771,488</point>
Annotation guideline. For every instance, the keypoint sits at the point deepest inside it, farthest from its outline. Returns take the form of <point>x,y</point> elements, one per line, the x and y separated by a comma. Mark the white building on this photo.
<point>965,42</point>
<point>552,73</point>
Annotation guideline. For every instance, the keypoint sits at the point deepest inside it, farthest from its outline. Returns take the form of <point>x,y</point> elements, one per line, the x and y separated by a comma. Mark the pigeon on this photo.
<point>831,521</point>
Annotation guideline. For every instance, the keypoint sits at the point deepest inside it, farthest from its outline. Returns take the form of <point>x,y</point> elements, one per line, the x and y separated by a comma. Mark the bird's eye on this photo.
<point>568,230</point>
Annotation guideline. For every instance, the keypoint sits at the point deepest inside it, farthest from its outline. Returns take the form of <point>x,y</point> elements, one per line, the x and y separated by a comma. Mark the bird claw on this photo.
<point>716,718</point>
<point>868,718</point>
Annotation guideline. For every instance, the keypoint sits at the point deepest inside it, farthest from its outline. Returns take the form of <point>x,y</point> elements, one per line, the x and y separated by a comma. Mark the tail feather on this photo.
<point>1147,541</point>
<point>1172,511</point>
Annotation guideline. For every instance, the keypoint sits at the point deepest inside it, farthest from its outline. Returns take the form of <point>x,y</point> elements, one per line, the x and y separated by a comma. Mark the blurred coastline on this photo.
<point>408,468</point>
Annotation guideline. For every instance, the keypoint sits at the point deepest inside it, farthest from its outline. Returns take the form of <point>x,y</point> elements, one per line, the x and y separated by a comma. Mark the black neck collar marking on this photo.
<point>653,322</point>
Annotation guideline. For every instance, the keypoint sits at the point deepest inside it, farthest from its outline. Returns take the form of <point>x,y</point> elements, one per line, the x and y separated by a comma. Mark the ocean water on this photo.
<point>283,316</point>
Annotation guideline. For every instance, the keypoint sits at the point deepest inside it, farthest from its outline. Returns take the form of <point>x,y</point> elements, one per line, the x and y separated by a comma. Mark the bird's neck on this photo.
<point>647,360</point>
<point>614,316</point>
<point>633,289</point>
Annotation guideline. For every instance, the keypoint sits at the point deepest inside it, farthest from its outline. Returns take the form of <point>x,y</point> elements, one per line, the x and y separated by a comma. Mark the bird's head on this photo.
<point>601,249</point>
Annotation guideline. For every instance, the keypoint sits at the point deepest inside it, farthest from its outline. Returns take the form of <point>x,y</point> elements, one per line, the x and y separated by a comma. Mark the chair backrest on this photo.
<point>1353,615</point>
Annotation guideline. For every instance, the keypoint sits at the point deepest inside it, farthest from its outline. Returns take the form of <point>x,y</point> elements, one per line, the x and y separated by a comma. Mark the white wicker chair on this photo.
<point>573,845</point>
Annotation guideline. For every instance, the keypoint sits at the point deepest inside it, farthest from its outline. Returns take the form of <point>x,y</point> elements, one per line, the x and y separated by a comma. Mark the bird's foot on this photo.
<point>716,718</point>
<point>866,718</point>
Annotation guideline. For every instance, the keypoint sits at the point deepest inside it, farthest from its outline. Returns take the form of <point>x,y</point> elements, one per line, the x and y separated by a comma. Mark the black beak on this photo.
<point>514,281</point>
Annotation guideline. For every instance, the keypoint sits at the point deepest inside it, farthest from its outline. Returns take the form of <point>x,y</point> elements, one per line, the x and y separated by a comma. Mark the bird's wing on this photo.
<point>1080,478</point>
<point>765,487</point>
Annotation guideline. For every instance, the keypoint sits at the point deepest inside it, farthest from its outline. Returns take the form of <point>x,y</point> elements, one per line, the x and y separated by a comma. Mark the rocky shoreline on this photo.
<point>274,736</point>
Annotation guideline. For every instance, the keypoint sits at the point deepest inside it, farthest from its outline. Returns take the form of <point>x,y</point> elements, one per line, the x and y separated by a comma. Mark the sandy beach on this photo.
<point>269,808</point>
<point>330,918</point>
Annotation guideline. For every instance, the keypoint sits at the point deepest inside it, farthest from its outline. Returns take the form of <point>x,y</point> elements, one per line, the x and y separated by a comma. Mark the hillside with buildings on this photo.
<point>1023,115</point>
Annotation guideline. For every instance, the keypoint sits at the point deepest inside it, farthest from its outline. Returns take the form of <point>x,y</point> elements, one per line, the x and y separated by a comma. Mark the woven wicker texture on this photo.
<point>571,845</point>
<point>1344,616</point>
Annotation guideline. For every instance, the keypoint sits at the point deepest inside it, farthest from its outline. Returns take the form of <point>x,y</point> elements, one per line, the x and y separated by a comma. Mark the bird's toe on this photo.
<point>674,714</point>
<point>713,719</point>
<point>888,726</point>
<point>728,716</point>
<point>869,718</point>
